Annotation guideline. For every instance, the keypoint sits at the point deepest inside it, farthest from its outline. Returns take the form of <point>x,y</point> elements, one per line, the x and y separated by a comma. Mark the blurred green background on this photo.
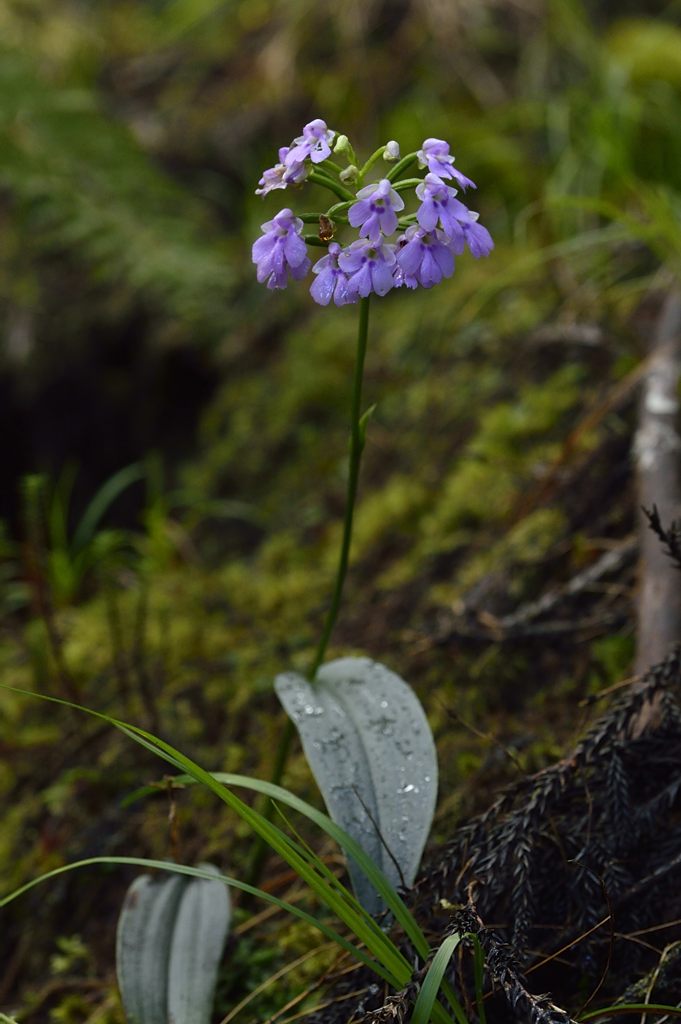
<point>175,436</point>
<point>133,135</point>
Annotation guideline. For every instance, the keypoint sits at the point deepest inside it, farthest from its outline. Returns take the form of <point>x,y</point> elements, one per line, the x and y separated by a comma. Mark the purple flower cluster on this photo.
<point>422,255</point>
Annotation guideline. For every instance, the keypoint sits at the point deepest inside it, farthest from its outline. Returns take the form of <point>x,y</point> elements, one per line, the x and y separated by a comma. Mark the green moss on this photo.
<point>612,659</point>
<point>251,964</point>
<point>525,545</point>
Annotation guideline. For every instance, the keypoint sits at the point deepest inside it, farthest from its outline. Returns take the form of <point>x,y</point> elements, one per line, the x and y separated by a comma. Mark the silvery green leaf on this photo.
<point>371,750</point>
<point>143,937</point>
<point>199,937</point>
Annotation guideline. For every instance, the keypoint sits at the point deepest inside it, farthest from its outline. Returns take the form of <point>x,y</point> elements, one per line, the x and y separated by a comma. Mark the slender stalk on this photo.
<point>337,208</point>
<point>376,155</point>
<point>356,448</point>
<point>401,166</point>
<point>315,240</point>
<point>319,178</point>
<point>402,186</point>
<point>334,166</point>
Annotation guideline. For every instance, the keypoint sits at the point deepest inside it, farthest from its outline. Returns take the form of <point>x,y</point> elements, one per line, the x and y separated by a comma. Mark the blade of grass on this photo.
<point>59,508</point>
<point>611,1011</point>
<point>104,497</point>
<point>478,977</point>
<point>316,861</point>
<point>307,851</point>
<point>317,865</point>
<point>426,1001</point>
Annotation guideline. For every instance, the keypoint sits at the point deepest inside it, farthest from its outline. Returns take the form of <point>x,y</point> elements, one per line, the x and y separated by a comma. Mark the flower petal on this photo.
<point>295,249</point>
<point>444,258</point>
<point>322,287</point>
<point>382,278</point>
<point>359,212</point>
<point>409,258</point>
<point>428,215</point>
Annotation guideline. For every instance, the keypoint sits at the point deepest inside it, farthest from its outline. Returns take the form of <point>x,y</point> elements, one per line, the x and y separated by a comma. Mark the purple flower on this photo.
<point>281,251</point>
<point>423,258</point>
<point>436,157</point>
<point>375,211</point>
<point>478,238</point>
<point>471,233</point>
<point>331,282</point>
<point>369,268</point>
<point>315,143</point>
<point>281,174</point>
<point>439,206</point>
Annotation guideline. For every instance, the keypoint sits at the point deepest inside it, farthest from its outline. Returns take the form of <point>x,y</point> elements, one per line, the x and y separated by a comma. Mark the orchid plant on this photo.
<point>356,719</point>
<point>362,728</point>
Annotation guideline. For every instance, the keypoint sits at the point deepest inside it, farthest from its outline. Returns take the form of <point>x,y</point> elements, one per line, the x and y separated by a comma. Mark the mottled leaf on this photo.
<point>371,750</point>
<point>199,937</point>
<point>143,938</point>
<point>170,937</point>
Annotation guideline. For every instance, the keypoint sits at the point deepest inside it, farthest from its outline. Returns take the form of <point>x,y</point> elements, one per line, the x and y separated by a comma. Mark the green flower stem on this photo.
<point>309,218</point>
<point>402,186</point>
<point>337,208</point>
<point>357,439</point>
<point>333,165</point>
<point>319,178</point>
<point>371,161</point>
<point>401,166</point>
<point>315,240</point>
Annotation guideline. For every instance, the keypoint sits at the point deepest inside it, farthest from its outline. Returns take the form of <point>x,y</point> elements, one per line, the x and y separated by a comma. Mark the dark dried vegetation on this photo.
<point>570,879</point>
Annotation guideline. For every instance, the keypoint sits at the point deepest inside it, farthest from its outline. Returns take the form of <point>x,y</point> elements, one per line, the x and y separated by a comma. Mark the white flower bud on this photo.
<point>392,150</point>
<point>342,144</point>
<point>349,173</point>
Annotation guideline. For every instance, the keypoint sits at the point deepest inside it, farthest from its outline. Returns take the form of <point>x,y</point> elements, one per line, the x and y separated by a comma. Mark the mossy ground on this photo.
<point>450,512</point>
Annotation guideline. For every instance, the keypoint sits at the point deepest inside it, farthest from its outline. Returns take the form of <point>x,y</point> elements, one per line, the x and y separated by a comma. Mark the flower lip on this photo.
<point>330,281</point>
<point>478,238</point>
<point>375,212</point>
<point>369,267</point>
<point>424,258</point>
